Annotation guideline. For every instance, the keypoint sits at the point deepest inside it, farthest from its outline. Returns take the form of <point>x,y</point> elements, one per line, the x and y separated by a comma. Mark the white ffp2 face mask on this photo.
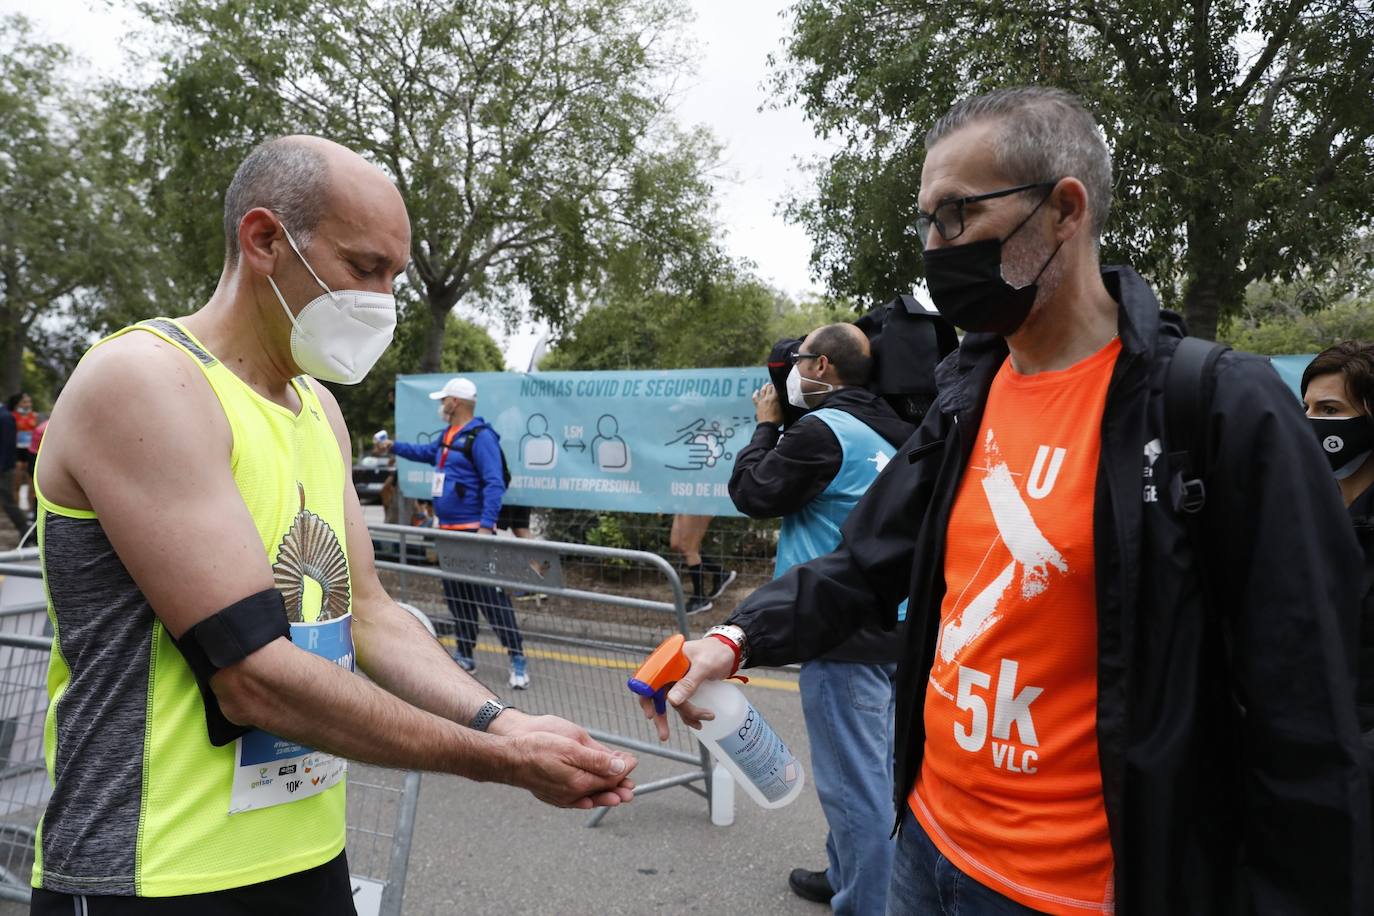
<point>339,336</point>
<point>796,397</point>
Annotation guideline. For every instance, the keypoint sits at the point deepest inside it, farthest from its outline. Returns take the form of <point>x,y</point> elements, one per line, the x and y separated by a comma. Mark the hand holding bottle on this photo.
<point>706,660</point>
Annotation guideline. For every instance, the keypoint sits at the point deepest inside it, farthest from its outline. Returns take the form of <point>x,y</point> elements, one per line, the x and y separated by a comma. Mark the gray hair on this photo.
<point>1043,134</point>
<point>284,175</point>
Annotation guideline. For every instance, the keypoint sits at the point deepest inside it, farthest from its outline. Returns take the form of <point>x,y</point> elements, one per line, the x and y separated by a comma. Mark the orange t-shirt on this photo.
<point>1009,789</point>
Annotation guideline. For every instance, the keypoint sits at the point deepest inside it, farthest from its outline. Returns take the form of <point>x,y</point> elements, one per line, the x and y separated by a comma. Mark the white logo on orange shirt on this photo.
<point>1031,551</point>
<point>1033,556</point>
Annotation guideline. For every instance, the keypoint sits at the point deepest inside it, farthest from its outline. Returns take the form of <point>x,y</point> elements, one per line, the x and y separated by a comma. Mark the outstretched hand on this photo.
<point>709,660</point>
<point>562,765</point>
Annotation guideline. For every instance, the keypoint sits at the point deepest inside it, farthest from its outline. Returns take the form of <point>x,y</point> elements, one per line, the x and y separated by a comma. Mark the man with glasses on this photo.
<point>811,476</point>
<point>1106,703</point>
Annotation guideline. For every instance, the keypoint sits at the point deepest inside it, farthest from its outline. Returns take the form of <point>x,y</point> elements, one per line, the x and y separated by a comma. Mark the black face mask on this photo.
<point>967,286</point>
<point>1347,441</point>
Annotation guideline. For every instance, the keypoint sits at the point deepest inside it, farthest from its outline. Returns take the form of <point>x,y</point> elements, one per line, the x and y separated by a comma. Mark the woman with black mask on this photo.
<point>1338,389</point>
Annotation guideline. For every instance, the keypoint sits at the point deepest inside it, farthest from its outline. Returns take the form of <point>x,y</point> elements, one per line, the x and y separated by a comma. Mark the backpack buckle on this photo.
<point>1188,495</point>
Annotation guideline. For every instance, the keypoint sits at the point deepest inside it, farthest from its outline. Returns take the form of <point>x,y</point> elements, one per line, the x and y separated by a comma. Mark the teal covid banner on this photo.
<point>1290,369</point>
<point>615,441</point>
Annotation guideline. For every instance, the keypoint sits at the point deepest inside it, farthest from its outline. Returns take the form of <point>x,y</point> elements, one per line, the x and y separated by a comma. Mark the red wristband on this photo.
<point>733,648</point>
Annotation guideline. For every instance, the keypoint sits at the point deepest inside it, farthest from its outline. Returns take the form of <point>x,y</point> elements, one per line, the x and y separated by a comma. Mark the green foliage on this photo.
<point>801,318</point>
<point>529,140</point>
<point>1242,132</point>
<point>732,322</point>
<point>608,533</point>
<point>1298,319</point>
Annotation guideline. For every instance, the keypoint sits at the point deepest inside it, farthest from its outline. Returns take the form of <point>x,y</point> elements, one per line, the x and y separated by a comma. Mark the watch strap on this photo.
<point>735,637</point>
<point>733,648</point>
<point>486,715</point>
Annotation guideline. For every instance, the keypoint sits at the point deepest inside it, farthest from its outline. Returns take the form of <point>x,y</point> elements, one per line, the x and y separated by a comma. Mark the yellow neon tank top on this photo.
<point>141,800</point>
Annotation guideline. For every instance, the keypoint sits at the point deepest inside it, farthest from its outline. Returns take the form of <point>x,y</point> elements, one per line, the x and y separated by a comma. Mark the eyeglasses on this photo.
<point>797,354</point>
<point>948,218</point>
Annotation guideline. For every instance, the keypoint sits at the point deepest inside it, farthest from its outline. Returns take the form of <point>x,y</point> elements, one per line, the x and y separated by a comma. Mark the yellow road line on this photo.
<point>768,683</point>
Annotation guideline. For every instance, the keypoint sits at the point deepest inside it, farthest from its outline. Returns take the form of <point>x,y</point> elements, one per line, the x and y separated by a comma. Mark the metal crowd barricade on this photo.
<point>25,643</point>
<point>381,819</point>
<point>588,615</point>
<point>381,802</point>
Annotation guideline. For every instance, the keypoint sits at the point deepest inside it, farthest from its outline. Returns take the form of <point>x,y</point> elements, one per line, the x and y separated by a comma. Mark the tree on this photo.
<point>1242,132</point>
<point>528,137</point>
<point>730,321</point>
<point>54,223</point>
<point>1302,317</point>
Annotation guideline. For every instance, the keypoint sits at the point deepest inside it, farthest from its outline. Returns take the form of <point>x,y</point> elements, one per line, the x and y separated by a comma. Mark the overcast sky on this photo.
<point>733,39</point>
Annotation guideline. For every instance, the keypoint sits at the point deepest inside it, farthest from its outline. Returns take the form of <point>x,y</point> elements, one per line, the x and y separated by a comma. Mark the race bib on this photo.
<point>274,771</point>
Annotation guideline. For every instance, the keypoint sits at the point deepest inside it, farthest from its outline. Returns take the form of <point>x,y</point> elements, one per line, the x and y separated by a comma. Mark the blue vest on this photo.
<point>814,530</point>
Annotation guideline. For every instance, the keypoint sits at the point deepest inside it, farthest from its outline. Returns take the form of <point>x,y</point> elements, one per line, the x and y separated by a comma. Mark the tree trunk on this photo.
<point>1213,287</point>
<point>440,305</point>
<point>1202,308</point>
<point>12,358</point>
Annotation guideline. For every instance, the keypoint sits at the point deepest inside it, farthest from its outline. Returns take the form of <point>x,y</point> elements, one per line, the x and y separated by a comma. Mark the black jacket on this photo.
<point>1362,517</point>
<point>1210,810</point>
<point>9,432</point>
<point>777,474</point>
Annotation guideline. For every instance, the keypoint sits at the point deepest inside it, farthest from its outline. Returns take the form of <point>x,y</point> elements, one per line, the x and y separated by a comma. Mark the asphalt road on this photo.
<point>487,849</point>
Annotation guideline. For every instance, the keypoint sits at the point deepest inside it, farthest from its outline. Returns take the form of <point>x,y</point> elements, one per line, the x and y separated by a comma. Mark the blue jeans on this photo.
<point>464,601</point>
<point>848,708</point>
<point>925,883</point>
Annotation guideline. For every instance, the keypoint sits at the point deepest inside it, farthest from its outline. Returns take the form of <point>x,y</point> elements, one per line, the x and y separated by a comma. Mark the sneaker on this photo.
<point>810,885</point>
<point>720,580</point>
<point>519,678</point>
<point>466,663</point>
<point>696,604</point>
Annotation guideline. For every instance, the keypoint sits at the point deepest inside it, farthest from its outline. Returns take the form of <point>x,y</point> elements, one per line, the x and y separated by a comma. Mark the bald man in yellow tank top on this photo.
<point>208,565</point>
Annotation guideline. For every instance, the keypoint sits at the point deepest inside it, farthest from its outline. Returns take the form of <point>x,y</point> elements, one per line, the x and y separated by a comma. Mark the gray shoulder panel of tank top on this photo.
<point>104,632</point>
<point>174,331</point>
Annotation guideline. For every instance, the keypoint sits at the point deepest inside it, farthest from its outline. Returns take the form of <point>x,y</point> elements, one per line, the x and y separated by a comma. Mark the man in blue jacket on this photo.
<point>469,483</point>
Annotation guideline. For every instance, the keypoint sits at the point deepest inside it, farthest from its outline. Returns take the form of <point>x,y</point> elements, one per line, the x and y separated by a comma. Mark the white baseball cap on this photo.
<point>459,388</point>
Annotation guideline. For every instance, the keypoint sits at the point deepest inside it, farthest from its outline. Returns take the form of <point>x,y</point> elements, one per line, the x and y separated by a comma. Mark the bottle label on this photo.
<point>762,755</point>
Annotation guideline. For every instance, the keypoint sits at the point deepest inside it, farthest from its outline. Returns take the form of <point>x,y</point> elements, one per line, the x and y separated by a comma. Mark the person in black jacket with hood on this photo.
<point>812,476</point>
<point>1121,708</point>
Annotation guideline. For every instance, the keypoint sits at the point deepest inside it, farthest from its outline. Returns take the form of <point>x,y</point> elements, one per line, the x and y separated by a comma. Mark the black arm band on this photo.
<point>227,637</point>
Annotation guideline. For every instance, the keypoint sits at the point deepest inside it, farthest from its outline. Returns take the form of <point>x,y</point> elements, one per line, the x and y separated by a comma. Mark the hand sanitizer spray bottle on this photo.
<point>738,737</point>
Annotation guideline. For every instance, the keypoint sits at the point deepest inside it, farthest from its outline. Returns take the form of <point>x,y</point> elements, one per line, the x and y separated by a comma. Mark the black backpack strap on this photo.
<point>1188,385</point>
<point>469,440</point>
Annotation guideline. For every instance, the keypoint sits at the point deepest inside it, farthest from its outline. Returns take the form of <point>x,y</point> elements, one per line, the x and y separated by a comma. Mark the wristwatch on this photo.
<point>487,714</point>
<point>735,635</point>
